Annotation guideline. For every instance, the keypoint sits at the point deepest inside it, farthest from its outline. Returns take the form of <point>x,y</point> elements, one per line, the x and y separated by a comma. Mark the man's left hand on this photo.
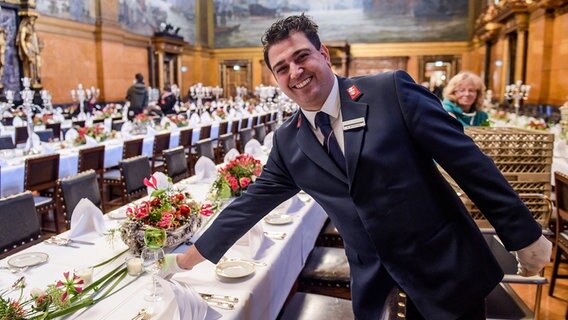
<point>534,257</point>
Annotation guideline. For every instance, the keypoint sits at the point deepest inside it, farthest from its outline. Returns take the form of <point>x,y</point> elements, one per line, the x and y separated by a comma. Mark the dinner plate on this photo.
<point>117,214</point>
<point>278,219</point>
<point>28,259</point>
<point>234,269</point>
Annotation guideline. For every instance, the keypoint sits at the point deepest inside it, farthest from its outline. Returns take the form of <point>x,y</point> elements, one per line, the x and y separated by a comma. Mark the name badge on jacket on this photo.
<point>353,123</point>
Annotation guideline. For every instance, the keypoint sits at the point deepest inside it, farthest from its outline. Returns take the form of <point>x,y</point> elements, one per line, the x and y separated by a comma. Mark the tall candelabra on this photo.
<point>9,104</point>
<point>517,92</point>
<point>28,109</point>
<point>81,95</point>
<point>217,91</point>
<point>46,99</point>
<point>199,92</point>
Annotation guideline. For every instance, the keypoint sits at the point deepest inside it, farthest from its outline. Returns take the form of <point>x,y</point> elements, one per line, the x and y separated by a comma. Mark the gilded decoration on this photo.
<point>29,48</point>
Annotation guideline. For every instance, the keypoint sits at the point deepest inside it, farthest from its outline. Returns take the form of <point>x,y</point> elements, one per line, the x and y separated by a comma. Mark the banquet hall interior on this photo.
<point>102,100</point>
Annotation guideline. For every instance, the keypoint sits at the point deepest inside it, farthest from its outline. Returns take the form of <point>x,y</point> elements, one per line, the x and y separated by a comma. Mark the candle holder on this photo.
<point>46,99</point>
<point>81,95</point>
<point>8,105</point>
<point>28,108</point>
<point>199,92</point>
<point>517,92</point>
<point>217,91</point>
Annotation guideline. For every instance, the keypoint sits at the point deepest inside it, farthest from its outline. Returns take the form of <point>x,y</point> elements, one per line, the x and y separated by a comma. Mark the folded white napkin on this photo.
<point>205,169</point>
<point>150,131</point>
<point>108,124</point>
<point>162,181</point>
<point>256,241</point>
<point>190,304</point>
<point>253,148</point>
<point>35,139</point>
<point>195,119</point>
<point>294,205</point>
<point>90,141</point>
<point>86,218</point>
<point>125,130</point>
<point>206,118</point>
<point>561,149</point>
<point>232,112</point>
<point>89,121</point>
<point>268,140</point>
<point>231,154</point>
<point>17,122</point>
<point>71,135</point>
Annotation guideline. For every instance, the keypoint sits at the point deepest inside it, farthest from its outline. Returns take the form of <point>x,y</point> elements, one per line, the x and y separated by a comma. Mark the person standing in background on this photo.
<point>137,95</point>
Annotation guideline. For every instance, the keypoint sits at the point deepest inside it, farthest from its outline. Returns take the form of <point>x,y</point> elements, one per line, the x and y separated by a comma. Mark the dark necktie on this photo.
<point>329,141</point>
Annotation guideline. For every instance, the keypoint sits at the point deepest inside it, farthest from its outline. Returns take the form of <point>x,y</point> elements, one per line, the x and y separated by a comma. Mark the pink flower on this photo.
<point>244,182</point>
<point>152,183</point>
<point>207,209</point>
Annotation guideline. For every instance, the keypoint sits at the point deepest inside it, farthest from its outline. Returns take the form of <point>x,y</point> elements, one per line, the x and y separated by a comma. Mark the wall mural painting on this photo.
<point>147,16</point>
<point>11,63</point>
<point>76,10</point>
<point>241,23</point>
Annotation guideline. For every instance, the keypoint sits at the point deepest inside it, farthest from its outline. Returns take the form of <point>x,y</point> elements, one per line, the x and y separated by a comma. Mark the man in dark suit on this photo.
<point>364,148</point>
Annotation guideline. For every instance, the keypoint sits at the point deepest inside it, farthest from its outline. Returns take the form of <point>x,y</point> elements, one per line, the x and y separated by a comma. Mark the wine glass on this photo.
<point>153,257</point>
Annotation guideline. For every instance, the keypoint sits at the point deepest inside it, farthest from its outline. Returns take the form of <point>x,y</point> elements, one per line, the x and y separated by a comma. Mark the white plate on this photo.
<point>28,259</point>
<point>234,269</point>
<point>117,214</point>
<point>278,219</point>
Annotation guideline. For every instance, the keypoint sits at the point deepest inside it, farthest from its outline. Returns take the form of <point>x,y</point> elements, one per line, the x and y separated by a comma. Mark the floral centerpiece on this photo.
<point>168,209</point>
<point>235,177</point>
<point>179,120</point>
<point>43,119</point>
<point>220,112</point>
<point>107,112</point>
<point>61,298</point>
<point>96,132</point>
<point>537,124</point>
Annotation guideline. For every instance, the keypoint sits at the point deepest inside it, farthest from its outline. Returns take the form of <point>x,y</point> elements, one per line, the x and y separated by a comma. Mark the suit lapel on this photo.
<point>314,150</point>
<point>353,138</point>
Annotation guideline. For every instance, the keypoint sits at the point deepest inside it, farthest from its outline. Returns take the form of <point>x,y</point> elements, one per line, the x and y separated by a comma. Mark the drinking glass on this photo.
<point>153,258</point>
<point>154,237</point>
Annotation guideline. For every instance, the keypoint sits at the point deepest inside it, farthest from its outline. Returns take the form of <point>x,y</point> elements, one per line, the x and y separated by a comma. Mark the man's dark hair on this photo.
<point>283,28</point>
<point>139,78</point>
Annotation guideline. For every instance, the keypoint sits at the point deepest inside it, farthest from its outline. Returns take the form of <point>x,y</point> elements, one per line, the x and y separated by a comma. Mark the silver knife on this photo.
<point>208,296</point>
<point>81,242</point>
<point>221,305</point>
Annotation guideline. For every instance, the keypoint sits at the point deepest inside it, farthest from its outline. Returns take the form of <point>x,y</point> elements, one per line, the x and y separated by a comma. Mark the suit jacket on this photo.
<point>398,216</point>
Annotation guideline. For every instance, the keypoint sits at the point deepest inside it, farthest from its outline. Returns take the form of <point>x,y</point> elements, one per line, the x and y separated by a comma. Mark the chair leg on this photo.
<point>554,275</point>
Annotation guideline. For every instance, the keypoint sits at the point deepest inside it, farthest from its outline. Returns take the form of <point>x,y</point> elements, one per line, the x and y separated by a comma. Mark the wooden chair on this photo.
<point>6,142</point>
<point>223,127</point>
<point>132,148</point>
<point>93,158</point>
<point>41,174</point>
<point>204,148</point>
<point>326,272</point>
<point>176,164</point>
<point>20,224</point>
<point>78,123</point>
<point>20,135</point>
<point>72,189</point>
<point>45,135</point>
<point>225,143</point>
<point>205,132</point>
<point>56,127</point>
<point>117,125</point>
<point>308,306</point>
<point>254,121</point>
<point>329,236</point>
<point>132,174</point>
<point>235,128</point>
<point>161,143</point>
<point>561,233</point>
<point>245,135</point>
<point>111,178</point>
<point>260,132</point>
<point>186,141</point>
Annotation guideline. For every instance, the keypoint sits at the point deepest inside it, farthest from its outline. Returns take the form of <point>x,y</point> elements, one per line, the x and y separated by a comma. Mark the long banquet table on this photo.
<point>261,295</point>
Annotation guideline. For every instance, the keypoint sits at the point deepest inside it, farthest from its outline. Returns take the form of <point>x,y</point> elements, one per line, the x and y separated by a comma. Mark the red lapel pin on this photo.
<point>354,93</point>
<point>299,121</point>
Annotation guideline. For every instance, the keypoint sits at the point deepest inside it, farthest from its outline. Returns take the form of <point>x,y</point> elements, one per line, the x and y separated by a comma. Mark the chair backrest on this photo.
<point>161,143</point>
<point>561,191</point>
<point>262,119</point>
<point>227,142</point>
<point>72,189</point>
<point>245,135</point>
<point>41,172</point>
<point>92,158</point>
<point>20,135</point>
<point>273,125</point>
<point>78,123</point>
<point>45,135</point>
<point>205,132</point>
<point>176,163</point>
<point>185,137</point>
<point>235,127</point>
<point>244,123</point>
<point>132,173</point>
<point>6,142</point>
<point>117,125</point>
<point>223,127</point>
<point>254,121</point>
<point>260,132</point>
<point>7,121</point>
<point>56,127</point>
<point>20,222</point>
<point>99,120</point>
<point>205,149</point>
<point>132,148</point>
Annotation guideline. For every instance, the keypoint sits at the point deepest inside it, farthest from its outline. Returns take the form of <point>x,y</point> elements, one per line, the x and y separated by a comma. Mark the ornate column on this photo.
<point>522,20</point>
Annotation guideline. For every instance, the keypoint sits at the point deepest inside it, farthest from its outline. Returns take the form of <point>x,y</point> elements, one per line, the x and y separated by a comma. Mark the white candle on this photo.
<point>134,266</point>
<point>85,274</point>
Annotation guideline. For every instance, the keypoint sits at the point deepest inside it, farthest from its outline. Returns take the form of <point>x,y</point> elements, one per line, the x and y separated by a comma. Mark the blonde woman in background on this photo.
<point>463,99</point>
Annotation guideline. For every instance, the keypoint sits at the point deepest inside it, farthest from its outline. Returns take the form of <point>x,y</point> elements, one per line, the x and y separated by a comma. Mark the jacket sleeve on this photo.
<point>442,137</point>
<point>271,188</point>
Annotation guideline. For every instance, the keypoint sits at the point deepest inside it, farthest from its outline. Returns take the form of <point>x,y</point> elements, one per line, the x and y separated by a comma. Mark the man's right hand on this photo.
<point>174,263</point>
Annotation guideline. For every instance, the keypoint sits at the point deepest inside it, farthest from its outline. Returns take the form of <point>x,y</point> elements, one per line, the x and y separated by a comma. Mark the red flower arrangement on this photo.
<point>179,120</point>
<point>96,132</point>
<point>220,112</point>
<point>236,176</point>
<point>537,124</point>
<point>165,209</point>
<point>43,119</point>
